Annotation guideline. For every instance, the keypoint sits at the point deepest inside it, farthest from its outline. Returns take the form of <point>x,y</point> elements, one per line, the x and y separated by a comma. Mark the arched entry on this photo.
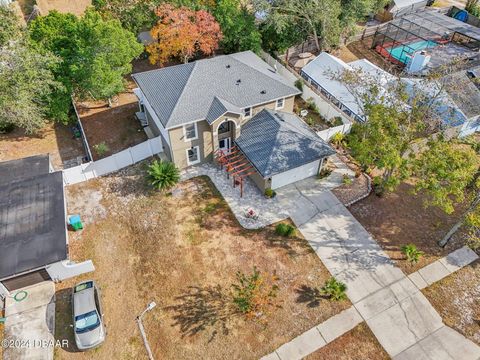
<point>226,134</point>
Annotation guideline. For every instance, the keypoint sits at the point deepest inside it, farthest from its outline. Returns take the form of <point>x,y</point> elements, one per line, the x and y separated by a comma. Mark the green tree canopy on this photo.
<point>238,26</point>
<point>9,26</point>
<point>26,81</point>
<point>96,55</point>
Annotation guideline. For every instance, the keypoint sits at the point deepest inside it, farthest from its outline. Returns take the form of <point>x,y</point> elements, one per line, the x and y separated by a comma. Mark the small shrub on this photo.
<point>336,121</point>
<point>269,193</point>
<point>5,128</point>
<point>299,84</point>
<point>411,253</point>
<point>253,294</point>
<point>310,120</point>
<point>311,104</point>
<point>163,175</point>
<point>334,289</point>
<point>338,139</point>
<point>346,179</point>
<point>101,148</point>
<point>324,173</point>
<point>283,229</point>
<point>378,186</point>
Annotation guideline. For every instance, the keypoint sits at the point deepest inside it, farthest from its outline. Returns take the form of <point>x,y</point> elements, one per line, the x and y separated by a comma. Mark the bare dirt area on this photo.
<point>183,251</point>
<point>457,300</point>
<point>400,218</point>
<point>358,343</point>
<point>345,54</point>
<point>362,50</point>
<point>55,139</point>
<point>76,7</point>
<point>115,127</point>
<point>314,119</point>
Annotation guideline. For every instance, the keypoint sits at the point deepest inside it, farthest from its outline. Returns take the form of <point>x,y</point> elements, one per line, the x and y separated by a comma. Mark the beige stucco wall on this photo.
<point>287,107</point>
<point>261,183</point>
<point>179,145</point>
<point>208,136</point>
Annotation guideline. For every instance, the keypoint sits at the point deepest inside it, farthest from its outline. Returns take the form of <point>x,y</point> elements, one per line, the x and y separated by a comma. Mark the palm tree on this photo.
<point>163,175</point>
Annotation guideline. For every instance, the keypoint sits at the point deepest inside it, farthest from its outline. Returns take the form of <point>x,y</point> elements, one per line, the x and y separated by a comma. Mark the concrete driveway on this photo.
<point>30,323</point>
<point>399,315</point>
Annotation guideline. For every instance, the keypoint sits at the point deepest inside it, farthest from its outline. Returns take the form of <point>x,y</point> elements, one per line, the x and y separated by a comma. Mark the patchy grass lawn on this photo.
<point>457,300</point>
<point>358,343</point>
<point>183,251</point>
<point>55,139</point>
<point>400,218</point>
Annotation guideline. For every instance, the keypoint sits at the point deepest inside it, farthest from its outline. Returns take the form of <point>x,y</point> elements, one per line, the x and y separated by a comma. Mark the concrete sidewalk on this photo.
<point>399,315</point>
<point>30,323</point>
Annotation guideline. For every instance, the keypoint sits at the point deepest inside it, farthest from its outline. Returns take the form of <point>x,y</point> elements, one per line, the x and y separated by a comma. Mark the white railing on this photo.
<point>326,135</point>
<point>113,163</point>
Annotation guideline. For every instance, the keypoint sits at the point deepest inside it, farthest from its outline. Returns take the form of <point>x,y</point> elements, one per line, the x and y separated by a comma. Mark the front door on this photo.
<point>224,144</point>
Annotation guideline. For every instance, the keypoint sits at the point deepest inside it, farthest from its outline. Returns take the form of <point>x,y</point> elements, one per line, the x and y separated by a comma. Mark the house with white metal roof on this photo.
<point>224,106</point>
<point>450,106</point>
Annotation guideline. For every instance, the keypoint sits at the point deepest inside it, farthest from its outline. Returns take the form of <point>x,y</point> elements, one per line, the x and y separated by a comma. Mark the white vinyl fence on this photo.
<point>113,163</point>
<point>327,109</point>
<point>327,134</point>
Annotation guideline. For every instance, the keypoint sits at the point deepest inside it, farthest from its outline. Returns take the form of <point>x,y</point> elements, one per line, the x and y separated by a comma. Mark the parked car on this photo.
<point>88,322</point>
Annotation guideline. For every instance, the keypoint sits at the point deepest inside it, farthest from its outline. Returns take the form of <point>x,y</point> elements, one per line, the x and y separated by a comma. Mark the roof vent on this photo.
<point>228,66</point>
<point>263,92</point>
<point>239,81</point>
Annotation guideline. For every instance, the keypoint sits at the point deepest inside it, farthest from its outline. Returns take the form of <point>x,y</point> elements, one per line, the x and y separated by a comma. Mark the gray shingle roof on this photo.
<point>220,107</point>
<point>184,93</point>
<point>275,142</point>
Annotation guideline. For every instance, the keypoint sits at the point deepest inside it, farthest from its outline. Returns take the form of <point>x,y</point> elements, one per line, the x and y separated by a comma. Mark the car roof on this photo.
<point>84,301</point>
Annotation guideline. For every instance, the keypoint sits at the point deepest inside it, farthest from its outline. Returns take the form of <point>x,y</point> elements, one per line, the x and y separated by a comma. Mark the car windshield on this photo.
<point>86,322</point>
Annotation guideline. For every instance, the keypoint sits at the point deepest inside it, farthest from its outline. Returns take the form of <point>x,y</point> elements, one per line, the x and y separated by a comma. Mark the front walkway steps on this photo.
<point>391,303</point>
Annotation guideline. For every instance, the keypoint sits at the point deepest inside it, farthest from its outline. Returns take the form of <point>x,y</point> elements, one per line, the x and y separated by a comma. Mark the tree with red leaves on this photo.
<point>181,33</point>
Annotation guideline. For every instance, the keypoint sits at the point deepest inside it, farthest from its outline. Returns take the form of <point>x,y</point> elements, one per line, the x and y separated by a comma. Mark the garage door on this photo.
<point>293,175</point>
<point>26,280</point>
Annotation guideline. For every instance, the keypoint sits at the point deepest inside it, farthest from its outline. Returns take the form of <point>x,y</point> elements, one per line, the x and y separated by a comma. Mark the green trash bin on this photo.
<point>75,222</point>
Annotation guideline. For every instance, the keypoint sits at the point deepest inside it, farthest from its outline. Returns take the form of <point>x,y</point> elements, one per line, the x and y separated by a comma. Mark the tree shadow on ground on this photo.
<point>201,308</point>
<point>310,296</point>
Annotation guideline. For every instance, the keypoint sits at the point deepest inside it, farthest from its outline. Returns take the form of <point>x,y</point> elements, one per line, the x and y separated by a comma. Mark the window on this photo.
<point>224,127</point>
<point>193,155</point>
<point>279,104</point>
<point>247,112</point>
<point>190,132</point>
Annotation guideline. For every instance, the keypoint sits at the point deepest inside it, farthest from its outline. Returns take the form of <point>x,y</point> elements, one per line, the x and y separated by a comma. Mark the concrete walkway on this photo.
<point>30,323</point>
<point>399,315</point>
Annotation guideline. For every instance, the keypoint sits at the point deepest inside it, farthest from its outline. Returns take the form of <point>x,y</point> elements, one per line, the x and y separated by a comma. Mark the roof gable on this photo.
<point>197,91</point>
<point>275,142</point>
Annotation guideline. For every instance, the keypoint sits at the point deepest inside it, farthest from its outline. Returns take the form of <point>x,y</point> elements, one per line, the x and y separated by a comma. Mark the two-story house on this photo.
<point>204,106</point>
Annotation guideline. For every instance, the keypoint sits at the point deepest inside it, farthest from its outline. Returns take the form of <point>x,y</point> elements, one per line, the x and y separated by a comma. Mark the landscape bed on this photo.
<point>183,250</point>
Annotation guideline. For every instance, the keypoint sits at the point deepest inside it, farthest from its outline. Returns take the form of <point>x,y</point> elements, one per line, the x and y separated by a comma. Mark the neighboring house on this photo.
<point>203,107</point>
<point>400,7</point>
<point>33,233</point>
<point>457,108</point>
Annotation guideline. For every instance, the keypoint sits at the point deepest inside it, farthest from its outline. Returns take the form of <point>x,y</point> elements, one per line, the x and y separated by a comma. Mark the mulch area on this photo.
<point>359,187</point>
<point>358,343</point>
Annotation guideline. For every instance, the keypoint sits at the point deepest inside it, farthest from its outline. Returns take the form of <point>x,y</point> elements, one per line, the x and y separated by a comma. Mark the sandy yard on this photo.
<point>358,343</point>
<point>457,300</point>
<point>55,139</point>
<point>183,251</point>
<point>400,218</point>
